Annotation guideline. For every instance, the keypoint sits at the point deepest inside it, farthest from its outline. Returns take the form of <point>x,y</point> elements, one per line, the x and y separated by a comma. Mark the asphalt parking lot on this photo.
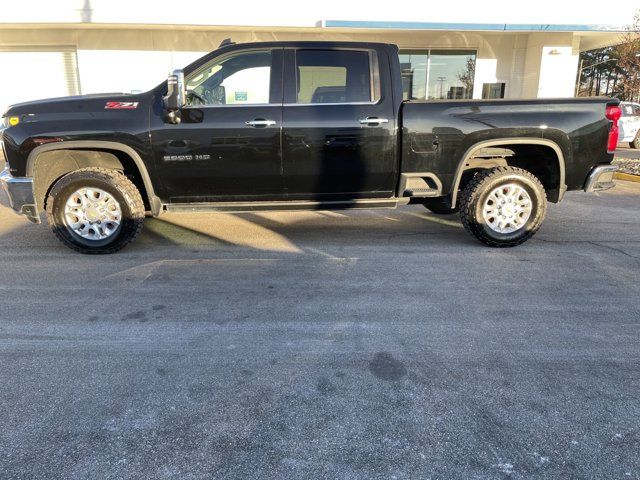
<point>626,152</point>
<point>356,345</point>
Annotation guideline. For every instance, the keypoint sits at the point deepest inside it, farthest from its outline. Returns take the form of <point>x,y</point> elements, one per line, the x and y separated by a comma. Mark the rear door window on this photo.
<point>336,76</point>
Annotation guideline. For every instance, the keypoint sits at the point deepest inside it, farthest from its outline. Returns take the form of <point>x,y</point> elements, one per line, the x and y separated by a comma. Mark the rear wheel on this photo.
<point>503,206</point>
<point>95,210</point>
<point>440,206</point>
<point>636,141</point>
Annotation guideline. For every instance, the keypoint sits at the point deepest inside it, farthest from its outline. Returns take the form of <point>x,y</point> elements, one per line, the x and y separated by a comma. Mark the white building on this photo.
<point>65,47</point>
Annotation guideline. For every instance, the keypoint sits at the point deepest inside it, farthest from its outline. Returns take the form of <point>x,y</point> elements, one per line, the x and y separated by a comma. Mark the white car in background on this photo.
<point>630,124</point>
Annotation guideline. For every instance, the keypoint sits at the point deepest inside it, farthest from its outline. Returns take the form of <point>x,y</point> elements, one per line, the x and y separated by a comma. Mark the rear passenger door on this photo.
<point>338,125</point>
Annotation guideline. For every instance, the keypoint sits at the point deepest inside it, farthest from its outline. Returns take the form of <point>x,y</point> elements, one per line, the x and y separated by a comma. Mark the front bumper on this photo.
<point>17,194</point>
<point>600,178</point>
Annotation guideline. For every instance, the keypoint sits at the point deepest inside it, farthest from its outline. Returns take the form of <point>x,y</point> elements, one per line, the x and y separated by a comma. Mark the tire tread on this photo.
<point>474,189</point>
<point>118,180</point>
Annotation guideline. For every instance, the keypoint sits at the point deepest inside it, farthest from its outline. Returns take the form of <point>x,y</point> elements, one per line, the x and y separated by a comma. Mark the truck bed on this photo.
<point>437,136</point>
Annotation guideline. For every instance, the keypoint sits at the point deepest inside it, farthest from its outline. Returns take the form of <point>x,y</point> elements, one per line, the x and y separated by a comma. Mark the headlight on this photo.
<point>10,121</point>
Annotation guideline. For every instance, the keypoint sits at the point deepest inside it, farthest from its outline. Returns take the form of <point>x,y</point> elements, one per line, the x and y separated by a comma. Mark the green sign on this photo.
<point>241,96</point>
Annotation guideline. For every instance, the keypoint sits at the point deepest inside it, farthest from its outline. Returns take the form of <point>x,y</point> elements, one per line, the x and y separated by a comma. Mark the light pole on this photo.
<point>441,80</point>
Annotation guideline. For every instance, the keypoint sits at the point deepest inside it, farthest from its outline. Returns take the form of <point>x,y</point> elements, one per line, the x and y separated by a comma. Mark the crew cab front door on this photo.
<point>227,145</point>
<point>339,133</point>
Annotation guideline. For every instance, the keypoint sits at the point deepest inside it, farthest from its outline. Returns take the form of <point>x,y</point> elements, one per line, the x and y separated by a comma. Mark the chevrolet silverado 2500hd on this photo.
<point>297,125</point>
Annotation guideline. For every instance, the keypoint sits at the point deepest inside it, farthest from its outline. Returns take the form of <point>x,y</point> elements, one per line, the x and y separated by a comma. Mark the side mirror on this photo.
<point>176,94</point>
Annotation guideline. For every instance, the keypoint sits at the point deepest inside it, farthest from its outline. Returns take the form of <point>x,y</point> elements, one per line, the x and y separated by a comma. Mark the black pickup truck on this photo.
<point>298,125</point>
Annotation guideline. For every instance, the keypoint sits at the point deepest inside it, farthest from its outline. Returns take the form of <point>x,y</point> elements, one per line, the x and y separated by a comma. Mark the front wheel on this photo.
<point>636,141</point>
<point>95,210</point>
<point>503,206</point>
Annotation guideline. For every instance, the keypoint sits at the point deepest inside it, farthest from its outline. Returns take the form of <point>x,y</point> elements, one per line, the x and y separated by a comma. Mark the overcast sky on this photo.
<point>307,13</point>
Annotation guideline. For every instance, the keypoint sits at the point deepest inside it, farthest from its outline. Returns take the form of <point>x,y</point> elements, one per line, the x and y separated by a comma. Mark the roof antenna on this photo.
<point>225,42</point>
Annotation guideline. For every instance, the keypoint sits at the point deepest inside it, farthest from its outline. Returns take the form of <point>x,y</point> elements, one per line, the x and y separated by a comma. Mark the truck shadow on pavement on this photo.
<point>295,232</point>
<point>330,232</point>
<point>281,232</point>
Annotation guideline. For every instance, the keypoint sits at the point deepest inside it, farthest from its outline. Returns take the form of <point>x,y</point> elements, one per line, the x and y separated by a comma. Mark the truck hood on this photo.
<point>68,104</point>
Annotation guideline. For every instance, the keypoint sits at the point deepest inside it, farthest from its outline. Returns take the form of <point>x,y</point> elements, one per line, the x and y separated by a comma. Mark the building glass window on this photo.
<point>493,90</point>
<point>413,65</point>
<point>437,74</point>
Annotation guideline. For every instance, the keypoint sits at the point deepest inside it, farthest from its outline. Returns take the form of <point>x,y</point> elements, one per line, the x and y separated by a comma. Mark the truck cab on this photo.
<point>313,122</point>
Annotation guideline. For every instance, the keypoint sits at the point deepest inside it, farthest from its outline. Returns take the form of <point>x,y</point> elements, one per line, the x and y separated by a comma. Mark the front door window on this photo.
<point>240,79</point>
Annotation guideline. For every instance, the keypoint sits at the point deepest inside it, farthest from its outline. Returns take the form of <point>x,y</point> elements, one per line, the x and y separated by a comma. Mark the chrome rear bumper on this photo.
<point>600,178</point>
<point>17,194</point>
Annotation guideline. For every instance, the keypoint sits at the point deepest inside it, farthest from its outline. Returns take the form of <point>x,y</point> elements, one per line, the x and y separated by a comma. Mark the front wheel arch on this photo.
<point>103,154</point>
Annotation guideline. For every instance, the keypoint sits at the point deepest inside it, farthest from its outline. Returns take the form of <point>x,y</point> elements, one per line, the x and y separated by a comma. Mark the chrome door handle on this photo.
<point>259,122</point>
<point>373,121</point>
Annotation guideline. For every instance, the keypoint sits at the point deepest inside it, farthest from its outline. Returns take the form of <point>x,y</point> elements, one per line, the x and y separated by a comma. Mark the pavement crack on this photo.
<point>619,250</point>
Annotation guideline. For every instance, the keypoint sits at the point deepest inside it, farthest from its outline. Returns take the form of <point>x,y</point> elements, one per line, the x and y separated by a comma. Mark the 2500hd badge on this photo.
<point>185,158</point>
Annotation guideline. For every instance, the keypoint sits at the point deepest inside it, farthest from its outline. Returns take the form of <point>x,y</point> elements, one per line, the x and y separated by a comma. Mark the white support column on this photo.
<point>550,66</point>
<point>558,69</point>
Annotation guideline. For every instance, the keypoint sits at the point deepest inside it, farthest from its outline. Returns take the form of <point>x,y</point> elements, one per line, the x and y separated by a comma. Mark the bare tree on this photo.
<point>467,75</point>
<point>613,70</point>
<point>628,54</point>
<point>596,65</point>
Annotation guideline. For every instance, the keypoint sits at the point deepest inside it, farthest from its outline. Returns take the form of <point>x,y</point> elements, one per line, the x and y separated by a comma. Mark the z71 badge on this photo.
<point>121,105</point>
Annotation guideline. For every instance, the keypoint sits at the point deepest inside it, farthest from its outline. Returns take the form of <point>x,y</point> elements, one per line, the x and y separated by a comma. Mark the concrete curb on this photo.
<point>627,177</point>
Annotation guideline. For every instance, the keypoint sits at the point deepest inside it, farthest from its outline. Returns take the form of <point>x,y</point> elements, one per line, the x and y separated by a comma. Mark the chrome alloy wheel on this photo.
<point>92,213</point>
<point>507,208</point>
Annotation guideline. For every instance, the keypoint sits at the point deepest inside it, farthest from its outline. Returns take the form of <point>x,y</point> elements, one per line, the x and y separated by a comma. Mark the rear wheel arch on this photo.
<point>48,163</point>
<point>552,178</point>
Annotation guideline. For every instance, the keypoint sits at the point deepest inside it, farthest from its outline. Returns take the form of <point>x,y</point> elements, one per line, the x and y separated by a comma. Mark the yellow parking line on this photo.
<point>627,177</point>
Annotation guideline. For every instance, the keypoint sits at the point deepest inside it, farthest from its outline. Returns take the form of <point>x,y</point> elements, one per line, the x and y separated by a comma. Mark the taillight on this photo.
<point>613,113</point>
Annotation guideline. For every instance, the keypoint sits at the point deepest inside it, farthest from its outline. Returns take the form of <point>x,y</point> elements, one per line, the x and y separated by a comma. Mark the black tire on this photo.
<point>636,141</point>
<point>440,207</point>
<point>110,181</point>
<point>475,195</point>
